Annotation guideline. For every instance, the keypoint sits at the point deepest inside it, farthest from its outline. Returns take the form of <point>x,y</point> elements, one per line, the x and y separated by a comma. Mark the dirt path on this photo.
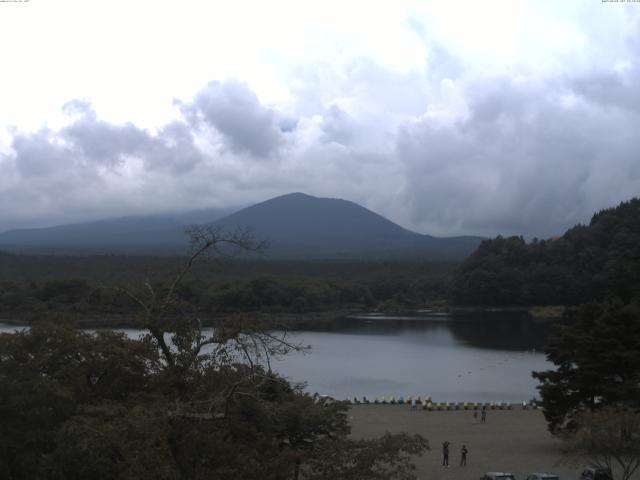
<point>515,441</point>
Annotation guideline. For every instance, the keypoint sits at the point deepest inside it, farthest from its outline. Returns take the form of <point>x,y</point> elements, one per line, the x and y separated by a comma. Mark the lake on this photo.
<point>479,357</point>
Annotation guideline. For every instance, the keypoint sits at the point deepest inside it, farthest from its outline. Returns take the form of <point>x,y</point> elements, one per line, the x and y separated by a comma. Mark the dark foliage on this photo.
<point>35,287</point>
<point>76,405</point>
<point>587,263</point>
<point>175,403</point>
<point>597,363</point>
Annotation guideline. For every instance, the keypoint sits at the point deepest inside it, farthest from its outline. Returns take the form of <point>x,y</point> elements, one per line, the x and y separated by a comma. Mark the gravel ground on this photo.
<point>515,441</point>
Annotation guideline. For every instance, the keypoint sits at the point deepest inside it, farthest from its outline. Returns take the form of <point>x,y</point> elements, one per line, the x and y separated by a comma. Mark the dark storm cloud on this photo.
<point>523,161</point>
<point>236,113</point>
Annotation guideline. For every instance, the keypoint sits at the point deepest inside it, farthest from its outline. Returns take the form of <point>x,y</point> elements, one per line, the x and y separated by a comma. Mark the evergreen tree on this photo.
<point>587,263</point>
<point>597,363</point>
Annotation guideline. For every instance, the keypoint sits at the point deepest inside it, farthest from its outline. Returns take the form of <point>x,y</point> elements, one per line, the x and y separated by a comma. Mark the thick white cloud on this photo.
<point>235,112</point>
<point>447,125</point>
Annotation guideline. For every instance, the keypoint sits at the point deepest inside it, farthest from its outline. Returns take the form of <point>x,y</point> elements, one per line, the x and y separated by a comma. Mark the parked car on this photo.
<point>596,473</point>
<point>498,476</point>
<point>543,476</point>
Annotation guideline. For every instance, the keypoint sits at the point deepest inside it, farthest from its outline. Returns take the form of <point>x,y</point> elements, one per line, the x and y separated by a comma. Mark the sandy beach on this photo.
<point>515,441</point>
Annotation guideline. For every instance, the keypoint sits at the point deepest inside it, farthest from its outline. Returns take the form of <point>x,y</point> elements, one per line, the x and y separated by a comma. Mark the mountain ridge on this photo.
<point>298,208</point>
<point>296,225</point>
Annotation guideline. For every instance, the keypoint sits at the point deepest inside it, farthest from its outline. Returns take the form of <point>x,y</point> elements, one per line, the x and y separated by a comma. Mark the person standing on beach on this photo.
<point>475,416</point>
<point>483,416</point>
<point>463,456</point>
<point>445,453</point>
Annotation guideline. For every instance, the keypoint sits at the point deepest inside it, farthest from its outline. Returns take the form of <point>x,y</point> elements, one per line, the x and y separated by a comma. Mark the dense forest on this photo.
<point>36,287</point>
<point>589,262</point>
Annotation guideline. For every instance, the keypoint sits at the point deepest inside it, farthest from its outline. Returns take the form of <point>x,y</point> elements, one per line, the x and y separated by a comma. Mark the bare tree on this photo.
<point>609,438</point>
<point>180,337</point>
<point>235,340</point>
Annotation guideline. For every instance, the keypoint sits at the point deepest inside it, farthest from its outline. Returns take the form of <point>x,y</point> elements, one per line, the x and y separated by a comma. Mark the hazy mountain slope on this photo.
<point>299,225</point>
<point>303,216</point>
<point>296,226</point>
<point>133,233</point>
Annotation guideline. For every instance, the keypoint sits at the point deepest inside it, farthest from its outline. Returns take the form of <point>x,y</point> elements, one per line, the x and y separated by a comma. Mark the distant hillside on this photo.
<point>303,216</point>
<point>586,263</point>
<point>297,226</point>
<point>301,226</point>
<point>162,233</point>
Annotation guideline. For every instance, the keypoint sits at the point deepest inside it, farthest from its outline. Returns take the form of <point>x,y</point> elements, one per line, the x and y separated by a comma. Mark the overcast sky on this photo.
<point>448,117</point>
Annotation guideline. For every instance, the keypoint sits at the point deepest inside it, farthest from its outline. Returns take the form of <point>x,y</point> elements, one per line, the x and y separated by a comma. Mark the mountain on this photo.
<point>302,216</point>
<point>295,225</point>
<point>161,233</point>
<point>298,225</point>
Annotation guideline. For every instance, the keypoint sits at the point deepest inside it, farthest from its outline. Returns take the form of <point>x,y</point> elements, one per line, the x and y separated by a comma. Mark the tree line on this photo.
<point>589,262</point>
<point>241,287</point>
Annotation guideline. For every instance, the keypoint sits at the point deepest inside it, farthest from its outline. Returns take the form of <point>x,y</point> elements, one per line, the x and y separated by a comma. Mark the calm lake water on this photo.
<point>485,357</point>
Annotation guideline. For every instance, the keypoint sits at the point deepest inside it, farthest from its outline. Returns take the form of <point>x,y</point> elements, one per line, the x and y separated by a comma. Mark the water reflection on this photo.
<point>518,333</point>
<point>486,357</point>
<point>491,330</point>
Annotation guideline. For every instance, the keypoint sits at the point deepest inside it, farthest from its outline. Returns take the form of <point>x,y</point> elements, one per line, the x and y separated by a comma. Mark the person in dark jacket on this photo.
<point>463,456</point>
<point>445,453</point>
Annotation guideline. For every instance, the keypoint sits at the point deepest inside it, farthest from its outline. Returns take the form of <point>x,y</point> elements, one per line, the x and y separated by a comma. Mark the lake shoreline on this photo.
<point>291,320</point>
<point>480,359</point>
<point>287,320</point>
